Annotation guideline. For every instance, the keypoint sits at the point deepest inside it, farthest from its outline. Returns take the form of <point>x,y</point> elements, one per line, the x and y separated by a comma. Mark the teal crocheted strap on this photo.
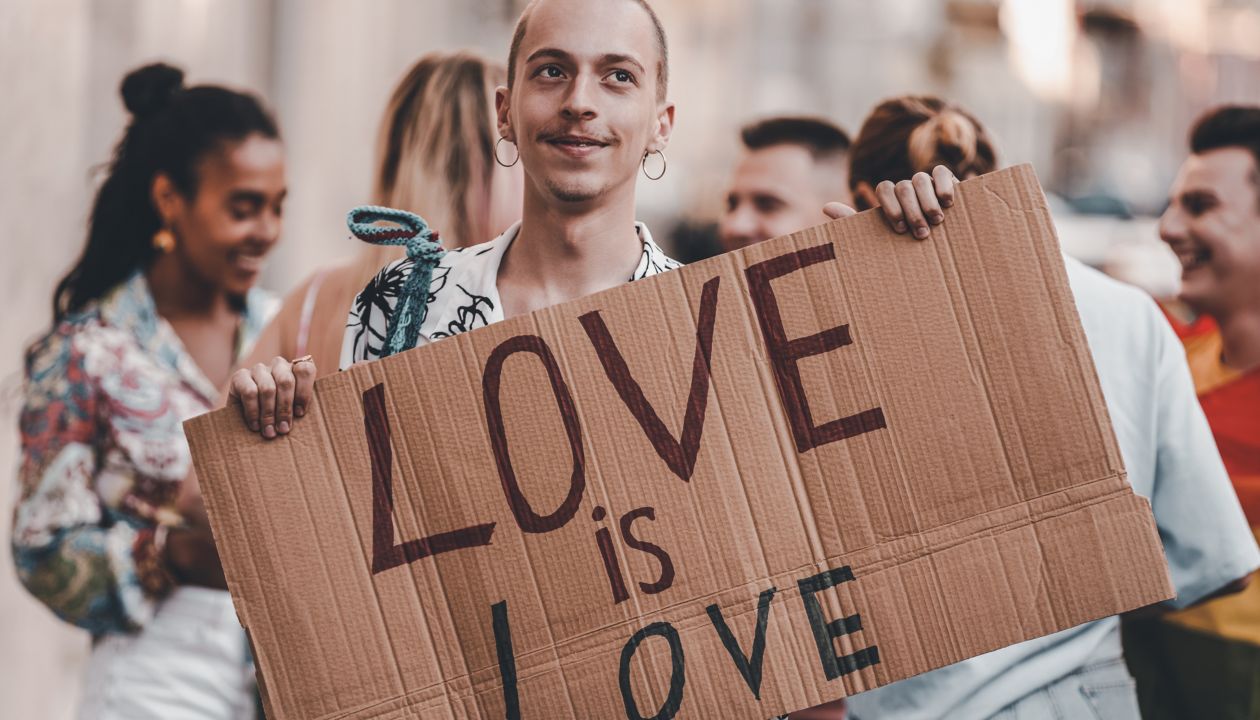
<point>411,231</point>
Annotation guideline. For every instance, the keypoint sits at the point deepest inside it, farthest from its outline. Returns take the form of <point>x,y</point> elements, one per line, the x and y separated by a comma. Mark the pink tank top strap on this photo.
<point>308,312</point>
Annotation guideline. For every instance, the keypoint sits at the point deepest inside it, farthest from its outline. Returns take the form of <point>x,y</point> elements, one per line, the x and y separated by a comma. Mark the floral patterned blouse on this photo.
<point>463,294</point>
<point>104,454</point>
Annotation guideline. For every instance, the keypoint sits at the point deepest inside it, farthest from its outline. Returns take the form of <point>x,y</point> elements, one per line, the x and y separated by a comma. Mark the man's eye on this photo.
<point>549,71</point>
<point>622,76</point>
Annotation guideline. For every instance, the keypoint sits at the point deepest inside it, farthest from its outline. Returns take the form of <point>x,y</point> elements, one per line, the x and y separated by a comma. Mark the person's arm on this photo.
<point>274,391</point>
<point>95,571</point>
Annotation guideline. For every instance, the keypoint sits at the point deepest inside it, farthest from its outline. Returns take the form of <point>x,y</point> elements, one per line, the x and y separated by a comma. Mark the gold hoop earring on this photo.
<point>496,154</point>
<point>664,165</point>
<point>164,240</point>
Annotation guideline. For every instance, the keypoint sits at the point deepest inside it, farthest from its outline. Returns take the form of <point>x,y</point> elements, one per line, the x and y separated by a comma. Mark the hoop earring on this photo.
<point>664,165</point>
<point>496,154</point>
<point>164,240</point>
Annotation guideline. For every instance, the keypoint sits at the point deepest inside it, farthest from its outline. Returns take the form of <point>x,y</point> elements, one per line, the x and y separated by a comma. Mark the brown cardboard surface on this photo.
<point>911,466</point>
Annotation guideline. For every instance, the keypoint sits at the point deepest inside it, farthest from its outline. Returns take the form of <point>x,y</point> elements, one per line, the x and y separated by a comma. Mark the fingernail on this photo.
<point>253,425</point>
<point>299,410</point>
<point>936,218</point>
<point>901,227</point>
<point>947,203</point>
<point>269,431</point>
<point>921,232</point>
<point>283,427</point>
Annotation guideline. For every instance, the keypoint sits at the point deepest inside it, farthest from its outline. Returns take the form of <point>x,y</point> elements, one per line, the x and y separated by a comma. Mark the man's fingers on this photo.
<point>244,393</point>
<point>886,194</point>
<point>910,209</point>
<point>926,192</point>
<point>282,375</point>
<point>944,180</point>
<point>837,210</point>
<point>266,399</point>
<point>304,377</point>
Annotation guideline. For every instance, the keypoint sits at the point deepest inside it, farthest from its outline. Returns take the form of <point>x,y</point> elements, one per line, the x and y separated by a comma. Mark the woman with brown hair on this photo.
<point>1163,438</point>
<point>435,157</point>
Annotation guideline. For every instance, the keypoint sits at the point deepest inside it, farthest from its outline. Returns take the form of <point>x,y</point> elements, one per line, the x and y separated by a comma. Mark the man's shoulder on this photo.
<point>1094,286</point>
<point>1115,310</point>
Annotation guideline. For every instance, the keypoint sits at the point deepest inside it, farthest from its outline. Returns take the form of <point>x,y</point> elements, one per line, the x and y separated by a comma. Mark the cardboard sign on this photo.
<point>764,481</point>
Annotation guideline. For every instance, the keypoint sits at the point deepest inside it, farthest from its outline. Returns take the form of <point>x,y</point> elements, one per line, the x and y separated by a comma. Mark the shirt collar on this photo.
<point>130,307</point>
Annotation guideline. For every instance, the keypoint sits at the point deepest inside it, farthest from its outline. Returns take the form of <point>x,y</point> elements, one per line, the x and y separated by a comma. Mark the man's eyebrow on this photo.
<point>554,53</point>
<point>621,58</point>
<point>1197,194</point>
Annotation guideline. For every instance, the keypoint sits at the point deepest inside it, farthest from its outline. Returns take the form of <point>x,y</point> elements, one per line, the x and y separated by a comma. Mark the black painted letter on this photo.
<point>749,667</point>
<point>677,676</point>
<point>826,632</point>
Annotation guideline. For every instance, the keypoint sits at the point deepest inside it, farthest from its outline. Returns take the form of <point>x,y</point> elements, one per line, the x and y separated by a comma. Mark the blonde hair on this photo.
<point>435,152</point>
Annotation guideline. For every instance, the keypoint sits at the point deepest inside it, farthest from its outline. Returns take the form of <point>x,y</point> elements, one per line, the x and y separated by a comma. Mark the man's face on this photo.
<point>1213,225</point>
<point>583,108</point>
<point>776,191</point>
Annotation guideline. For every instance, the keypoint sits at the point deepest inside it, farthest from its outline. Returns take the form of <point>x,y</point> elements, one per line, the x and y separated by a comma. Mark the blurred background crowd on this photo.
<point>1096,94</point>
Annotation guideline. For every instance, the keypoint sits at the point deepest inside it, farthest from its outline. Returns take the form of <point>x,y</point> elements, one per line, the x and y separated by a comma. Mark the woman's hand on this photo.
<point>271,395</point>
<point>913,205</point>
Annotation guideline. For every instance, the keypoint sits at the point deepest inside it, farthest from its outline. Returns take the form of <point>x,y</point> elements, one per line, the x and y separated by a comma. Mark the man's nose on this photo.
<point>579,103</point>
<point>739,224</point>
<point>1172,226</point>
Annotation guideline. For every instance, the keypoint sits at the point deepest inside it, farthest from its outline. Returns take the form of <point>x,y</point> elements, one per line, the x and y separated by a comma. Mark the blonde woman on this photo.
<point>435,157</point>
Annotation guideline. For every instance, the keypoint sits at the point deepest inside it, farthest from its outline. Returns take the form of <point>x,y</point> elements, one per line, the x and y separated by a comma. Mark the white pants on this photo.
<point>190,662</point>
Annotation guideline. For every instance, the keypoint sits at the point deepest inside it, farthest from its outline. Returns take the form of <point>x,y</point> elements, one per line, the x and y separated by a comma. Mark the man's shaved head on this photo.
<point>662,64</point>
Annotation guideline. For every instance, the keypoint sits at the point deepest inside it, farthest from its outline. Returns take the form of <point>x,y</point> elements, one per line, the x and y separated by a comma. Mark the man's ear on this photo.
<point>502,111</point>
<point>664,128</point>
<point>864,195</point>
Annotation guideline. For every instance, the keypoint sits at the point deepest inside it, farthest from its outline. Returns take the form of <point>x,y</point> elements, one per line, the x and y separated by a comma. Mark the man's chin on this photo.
<point>573,193</point>
<point>1201,300</point>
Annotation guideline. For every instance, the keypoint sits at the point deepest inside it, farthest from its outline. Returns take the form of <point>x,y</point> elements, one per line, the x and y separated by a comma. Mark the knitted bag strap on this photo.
<point>411,231</point>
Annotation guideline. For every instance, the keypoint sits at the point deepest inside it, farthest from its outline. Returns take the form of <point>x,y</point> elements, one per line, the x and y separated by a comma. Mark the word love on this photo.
<point>677,453</point>
<point>749,664</point>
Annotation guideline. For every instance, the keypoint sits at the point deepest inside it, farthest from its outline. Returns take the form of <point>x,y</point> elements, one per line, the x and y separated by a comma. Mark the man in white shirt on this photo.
<point>586,108</point>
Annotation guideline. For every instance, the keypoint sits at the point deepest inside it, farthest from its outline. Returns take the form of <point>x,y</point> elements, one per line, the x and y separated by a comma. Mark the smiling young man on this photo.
<point>1205,661</point>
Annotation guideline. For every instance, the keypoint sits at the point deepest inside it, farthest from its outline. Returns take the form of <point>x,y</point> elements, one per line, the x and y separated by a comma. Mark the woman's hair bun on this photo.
<point>147,90</point>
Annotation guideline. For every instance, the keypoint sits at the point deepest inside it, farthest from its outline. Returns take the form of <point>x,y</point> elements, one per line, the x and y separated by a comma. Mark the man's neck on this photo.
<point>565,251</point>
<point>1240,338</point>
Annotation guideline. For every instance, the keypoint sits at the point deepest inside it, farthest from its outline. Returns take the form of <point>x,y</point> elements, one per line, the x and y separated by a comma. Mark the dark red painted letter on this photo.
<point>679,456</point>
<point>785,353</point>
<point>385,554</point>
<point>526,518</point>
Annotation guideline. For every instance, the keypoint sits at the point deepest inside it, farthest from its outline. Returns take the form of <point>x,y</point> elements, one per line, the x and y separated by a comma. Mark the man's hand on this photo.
<point>270,396</point>
<point>913,205</point>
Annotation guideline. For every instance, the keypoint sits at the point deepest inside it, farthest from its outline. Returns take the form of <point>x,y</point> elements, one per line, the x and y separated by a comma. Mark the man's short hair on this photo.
<point>824,140</point>
<point>662,66</point>
<point>1229,126</point>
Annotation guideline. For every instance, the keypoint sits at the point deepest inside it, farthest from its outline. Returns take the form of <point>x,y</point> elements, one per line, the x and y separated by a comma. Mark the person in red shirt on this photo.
<point>1205,661</point>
